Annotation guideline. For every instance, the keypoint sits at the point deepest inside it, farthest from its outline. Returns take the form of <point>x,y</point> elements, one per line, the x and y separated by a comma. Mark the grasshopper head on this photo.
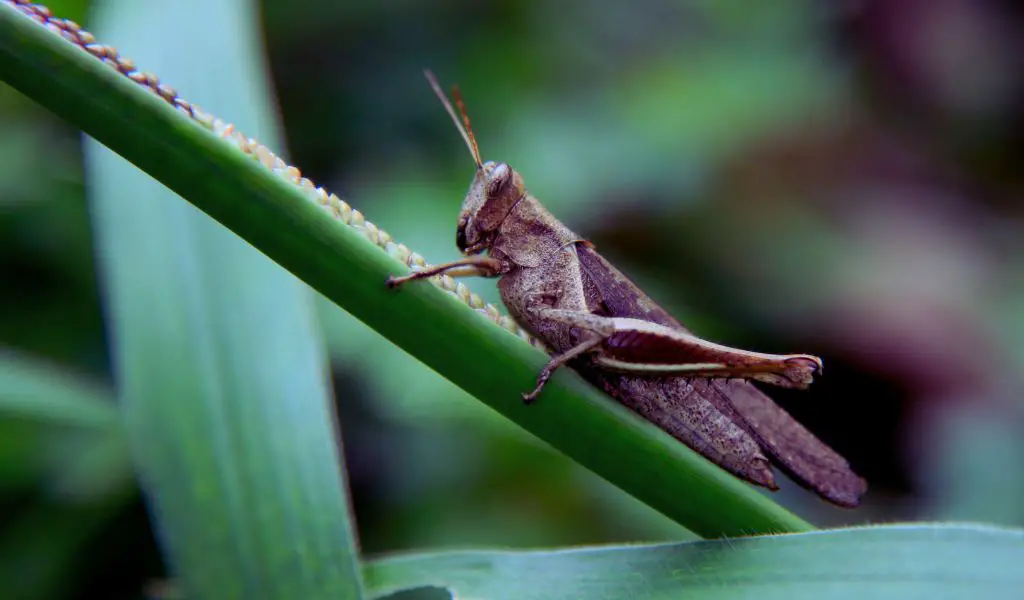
<point>495,189</point>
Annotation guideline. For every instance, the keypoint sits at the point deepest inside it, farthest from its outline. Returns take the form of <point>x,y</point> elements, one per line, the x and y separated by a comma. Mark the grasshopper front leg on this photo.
<point>471,266</point>
<point>644,348</point>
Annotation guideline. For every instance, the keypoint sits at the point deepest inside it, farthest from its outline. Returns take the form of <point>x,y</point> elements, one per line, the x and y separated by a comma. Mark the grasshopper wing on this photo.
<point>789,444</point>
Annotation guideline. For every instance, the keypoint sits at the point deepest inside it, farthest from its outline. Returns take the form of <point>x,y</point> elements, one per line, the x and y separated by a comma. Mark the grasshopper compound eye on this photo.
<point>500,180</point>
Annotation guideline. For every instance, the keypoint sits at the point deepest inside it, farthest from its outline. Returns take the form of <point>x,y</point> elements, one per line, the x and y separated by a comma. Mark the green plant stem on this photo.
<point>275,217</point>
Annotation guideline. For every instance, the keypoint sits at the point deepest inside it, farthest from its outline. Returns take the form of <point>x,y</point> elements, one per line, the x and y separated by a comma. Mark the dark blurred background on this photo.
<point>841,178</point>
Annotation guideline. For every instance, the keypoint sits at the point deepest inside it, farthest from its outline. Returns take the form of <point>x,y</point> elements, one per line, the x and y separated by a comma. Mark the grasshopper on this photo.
<point>592,317</point>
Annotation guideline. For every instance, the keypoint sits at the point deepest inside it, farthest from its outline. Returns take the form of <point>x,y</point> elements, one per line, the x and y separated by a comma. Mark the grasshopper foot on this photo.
<point>531,397</point>
<point>800,370</point>
<point>393,282</point>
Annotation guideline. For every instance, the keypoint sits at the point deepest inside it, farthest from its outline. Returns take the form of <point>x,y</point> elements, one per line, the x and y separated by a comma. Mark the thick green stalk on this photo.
<point>277,218</point>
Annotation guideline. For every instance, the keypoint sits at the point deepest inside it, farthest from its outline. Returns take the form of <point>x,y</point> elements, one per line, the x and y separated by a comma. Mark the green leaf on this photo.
<point>280,220</point>
<point>221,367</point>
<point>904,561</point>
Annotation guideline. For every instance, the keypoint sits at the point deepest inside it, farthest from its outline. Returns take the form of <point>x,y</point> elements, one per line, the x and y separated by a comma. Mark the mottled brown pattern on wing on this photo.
<point>620,296</point>
<point>789,444</point>
<point>795,449</point>
<point>701,421</point>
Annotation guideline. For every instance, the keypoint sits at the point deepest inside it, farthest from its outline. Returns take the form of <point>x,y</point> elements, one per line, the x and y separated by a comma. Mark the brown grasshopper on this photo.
<point>557,286</point>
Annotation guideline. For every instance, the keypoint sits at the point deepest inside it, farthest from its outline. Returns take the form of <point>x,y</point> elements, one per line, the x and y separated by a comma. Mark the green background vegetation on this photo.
<point>782,178</point>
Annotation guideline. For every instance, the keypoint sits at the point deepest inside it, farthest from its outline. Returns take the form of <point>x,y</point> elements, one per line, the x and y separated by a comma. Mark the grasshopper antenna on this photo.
<point>463,126</point>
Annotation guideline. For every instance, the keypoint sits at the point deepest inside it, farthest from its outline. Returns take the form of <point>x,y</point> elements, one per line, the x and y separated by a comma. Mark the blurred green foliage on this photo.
<point>841,179</point>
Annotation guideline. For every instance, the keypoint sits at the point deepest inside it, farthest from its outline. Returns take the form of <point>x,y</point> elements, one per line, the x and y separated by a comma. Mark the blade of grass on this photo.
<point>220,364</point>
<point>279,219</point>
<point>915,561</point>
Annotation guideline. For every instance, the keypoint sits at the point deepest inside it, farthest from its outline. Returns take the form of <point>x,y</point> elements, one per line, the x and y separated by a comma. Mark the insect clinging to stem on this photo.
<point>594,319</point>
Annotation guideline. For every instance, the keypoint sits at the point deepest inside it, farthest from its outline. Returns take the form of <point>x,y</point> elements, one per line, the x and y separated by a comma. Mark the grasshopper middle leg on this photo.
<point>559,361</point>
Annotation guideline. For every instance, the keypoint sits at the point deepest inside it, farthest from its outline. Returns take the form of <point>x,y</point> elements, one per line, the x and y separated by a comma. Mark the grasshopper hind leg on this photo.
<point>646,348</point>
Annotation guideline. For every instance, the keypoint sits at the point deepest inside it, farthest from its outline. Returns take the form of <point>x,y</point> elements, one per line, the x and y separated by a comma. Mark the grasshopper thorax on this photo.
<point>495,190</point>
